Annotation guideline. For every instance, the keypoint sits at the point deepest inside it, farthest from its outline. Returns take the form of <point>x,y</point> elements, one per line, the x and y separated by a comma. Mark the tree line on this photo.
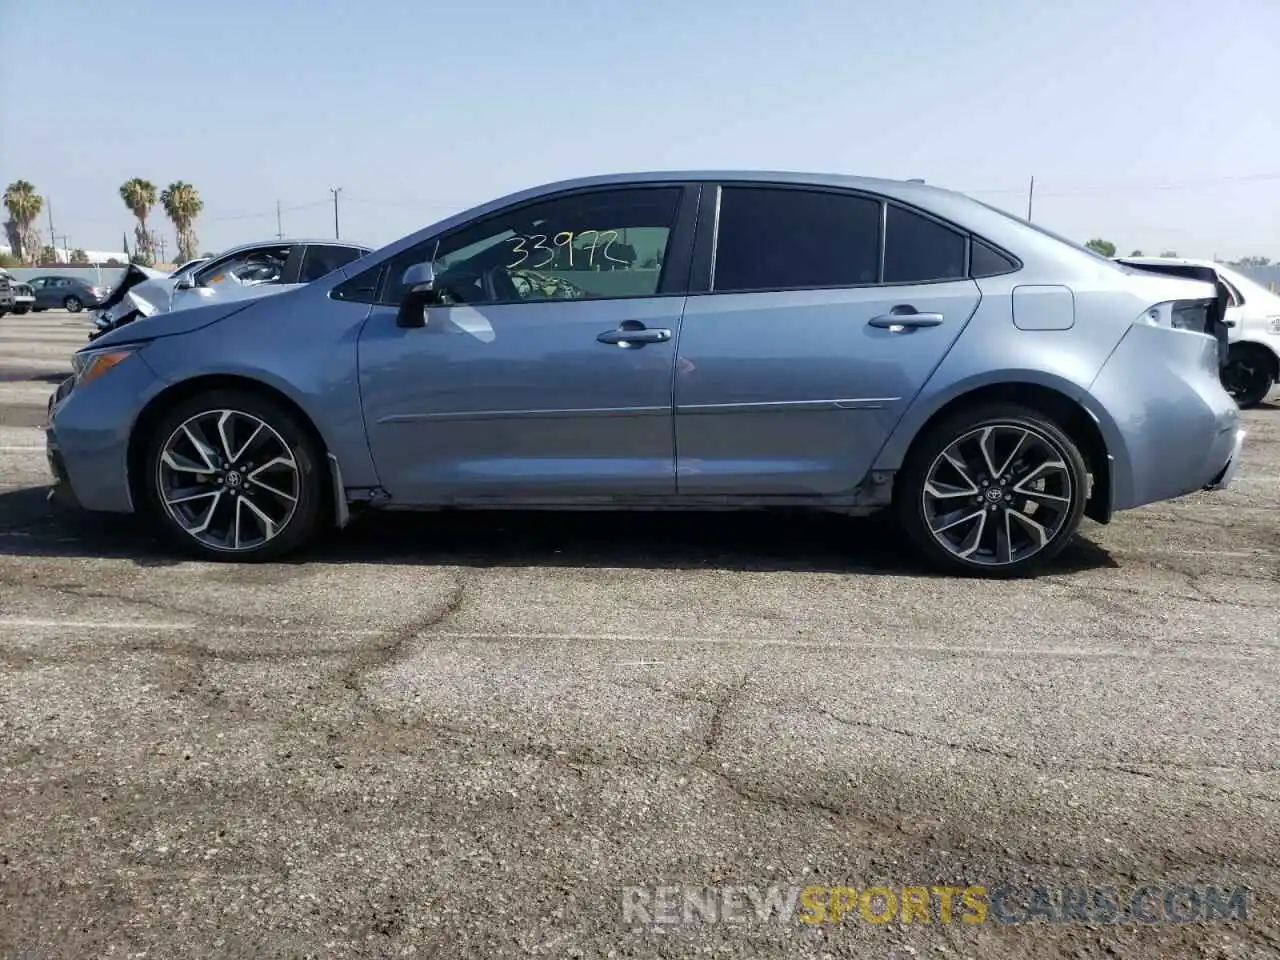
<point>180,201</point>
<point>1108,249</point>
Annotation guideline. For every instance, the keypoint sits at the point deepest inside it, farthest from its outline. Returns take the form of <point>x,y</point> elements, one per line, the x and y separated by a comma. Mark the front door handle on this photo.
<point>633,333</point>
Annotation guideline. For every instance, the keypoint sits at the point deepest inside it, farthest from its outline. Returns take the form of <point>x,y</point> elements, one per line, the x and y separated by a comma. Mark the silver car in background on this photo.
<point>718,340</point>
<point>241,272</point>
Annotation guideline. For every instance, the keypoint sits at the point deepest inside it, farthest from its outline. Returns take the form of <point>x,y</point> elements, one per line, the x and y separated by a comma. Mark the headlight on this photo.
<point>93,363</point>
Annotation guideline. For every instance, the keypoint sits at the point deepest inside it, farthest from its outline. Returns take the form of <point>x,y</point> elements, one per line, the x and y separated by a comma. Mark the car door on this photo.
<point>824,313</point>
<point>41,294</point>
<point>546,370</point>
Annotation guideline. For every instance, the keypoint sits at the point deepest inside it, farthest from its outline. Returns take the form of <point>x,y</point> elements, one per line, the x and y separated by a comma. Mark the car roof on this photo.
<point>798,177</point>
<point>290,241</point>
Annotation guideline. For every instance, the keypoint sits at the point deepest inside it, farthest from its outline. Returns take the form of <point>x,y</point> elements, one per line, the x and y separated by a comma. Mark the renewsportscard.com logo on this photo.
<point>932,904</point>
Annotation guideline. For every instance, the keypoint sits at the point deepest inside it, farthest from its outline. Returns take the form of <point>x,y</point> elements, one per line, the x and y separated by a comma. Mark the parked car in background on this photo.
<point>1253,357</point>
<point>15,296</point>
<point>67,293</point>
<point>672,341</point>
<point>246,271</point>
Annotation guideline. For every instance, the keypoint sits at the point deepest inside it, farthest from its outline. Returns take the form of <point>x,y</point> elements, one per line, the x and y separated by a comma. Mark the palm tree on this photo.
<point>140,196</point>
<point>24,205</point>
<point>182,203</point>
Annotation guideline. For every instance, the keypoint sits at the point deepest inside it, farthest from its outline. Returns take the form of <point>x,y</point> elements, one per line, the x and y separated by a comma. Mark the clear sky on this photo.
<point>1152,123</point>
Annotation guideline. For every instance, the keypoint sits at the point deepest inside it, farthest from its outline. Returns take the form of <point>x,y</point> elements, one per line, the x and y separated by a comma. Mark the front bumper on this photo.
<point>60,490</point>
<point>87,436</point>
<point>1223,479</point>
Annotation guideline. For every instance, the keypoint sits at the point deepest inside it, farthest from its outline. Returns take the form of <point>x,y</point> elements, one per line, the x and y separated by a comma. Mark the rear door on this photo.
<point>824,312</point>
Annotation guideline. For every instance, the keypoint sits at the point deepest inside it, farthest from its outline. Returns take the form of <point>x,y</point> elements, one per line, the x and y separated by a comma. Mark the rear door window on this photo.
<point>919,250</point>
<point>772,238</point>
<point>322,259</point>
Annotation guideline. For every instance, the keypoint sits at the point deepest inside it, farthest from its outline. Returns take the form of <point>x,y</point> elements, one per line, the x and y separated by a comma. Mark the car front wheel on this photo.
<point>994,491</point>
<point>232,475</point>
<point>73,304</point>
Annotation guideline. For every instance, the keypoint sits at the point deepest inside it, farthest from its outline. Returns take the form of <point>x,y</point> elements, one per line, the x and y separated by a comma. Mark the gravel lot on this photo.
<point>463,736</point>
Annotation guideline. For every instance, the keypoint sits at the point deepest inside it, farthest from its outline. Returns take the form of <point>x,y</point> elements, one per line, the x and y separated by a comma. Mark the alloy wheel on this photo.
<point>72,304</point>
<point>998,494</point>
<point>229,480</point>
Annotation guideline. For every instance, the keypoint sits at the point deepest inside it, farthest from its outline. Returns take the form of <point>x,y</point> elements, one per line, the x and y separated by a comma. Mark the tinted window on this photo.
<point>774,239</point>
<point>917,249</point>
<point>322,259</point>
<point>987,261</point>
<point>608,243</point>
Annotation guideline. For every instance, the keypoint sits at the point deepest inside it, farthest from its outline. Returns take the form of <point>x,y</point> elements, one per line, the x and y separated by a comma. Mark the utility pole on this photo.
<point>53,242</point>
<point>279,228</point>
<point>335,191</point>
<point>1031,191</point>
<point>162,243</point>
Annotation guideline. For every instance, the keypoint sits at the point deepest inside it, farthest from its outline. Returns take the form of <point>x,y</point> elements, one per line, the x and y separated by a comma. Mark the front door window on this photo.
<point>594,245</point>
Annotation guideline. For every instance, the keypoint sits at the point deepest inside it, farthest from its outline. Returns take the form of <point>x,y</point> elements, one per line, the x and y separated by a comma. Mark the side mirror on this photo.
<point>421,281</point>
<point>186,283</point>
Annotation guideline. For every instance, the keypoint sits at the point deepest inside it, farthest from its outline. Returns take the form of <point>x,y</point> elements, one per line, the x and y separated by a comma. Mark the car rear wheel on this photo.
<point>73,304</point>
<point>21,310</point>
<point>995,491</point>
<point>231,475</point>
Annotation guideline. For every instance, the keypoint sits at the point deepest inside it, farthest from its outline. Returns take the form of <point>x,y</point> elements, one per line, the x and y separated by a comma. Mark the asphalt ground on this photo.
<point>469,735</point>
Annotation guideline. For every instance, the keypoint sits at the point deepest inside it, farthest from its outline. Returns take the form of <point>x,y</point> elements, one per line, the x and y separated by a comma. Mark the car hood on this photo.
<point>168,324</point>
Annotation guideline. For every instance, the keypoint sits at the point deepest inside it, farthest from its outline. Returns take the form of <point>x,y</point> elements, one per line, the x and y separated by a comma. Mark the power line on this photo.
<point>1133,186</point>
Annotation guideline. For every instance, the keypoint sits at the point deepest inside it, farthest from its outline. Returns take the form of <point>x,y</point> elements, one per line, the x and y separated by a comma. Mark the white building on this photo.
<point>63,255</point>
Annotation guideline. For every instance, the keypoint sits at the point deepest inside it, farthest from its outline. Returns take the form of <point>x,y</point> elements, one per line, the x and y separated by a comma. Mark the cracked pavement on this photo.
<point>464,736</point>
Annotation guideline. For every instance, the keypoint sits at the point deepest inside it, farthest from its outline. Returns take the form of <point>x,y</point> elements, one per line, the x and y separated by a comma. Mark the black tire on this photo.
<point>910,497</point>
<point>311,506</point>
<point>1249,374</point>
<point>73,304</point>
<point>19,311</point>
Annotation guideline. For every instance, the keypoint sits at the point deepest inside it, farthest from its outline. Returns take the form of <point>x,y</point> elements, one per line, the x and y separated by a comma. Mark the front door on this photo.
<point>813,340</point>
<point>547,372</point>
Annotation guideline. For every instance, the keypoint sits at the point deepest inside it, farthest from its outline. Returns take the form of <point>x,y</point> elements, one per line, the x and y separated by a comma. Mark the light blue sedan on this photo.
<point>660,340</point>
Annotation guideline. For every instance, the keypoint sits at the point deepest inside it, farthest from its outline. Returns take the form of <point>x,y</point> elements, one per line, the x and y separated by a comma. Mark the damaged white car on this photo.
<point>249,270</point>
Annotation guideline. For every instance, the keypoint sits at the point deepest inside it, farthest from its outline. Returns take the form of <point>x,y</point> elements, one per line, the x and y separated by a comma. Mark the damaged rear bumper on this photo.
<point>1223,479</point>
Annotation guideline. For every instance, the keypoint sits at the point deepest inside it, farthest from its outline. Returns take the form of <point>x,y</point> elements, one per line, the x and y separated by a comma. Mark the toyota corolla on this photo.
<point>673,341</point>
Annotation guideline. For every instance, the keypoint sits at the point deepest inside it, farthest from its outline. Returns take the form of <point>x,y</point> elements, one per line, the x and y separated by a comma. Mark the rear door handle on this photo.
<point>903,321</point>
<point>627,336</point>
